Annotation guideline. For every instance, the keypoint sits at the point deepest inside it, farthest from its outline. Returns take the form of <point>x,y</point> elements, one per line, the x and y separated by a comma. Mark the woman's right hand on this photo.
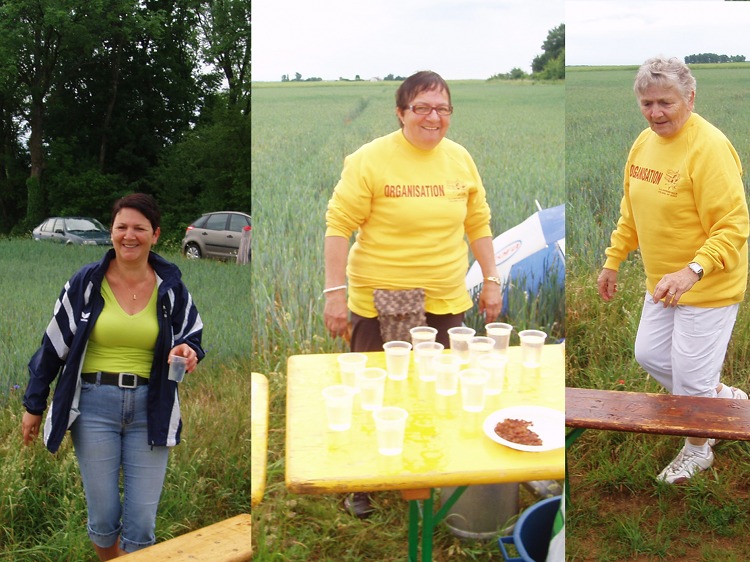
<point>607,283</point>
<point>336,313</point>
<point>30,425</point>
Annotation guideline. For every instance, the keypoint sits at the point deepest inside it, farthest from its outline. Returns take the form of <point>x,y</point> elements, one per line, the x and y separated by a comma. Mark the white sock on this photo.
<point>702,450</point>
<point>725,392</point>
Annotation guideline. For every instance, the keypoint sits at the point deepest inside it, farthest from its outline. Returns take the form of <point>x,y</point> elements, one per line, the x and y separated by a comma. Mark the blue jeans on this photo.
<point>109,435</point>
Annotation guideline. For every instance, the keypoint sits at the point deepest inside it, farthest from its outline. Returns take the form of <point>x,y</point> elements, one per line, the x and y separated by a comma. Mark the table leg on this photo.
<point>413,530</point>
<point>428,525</point>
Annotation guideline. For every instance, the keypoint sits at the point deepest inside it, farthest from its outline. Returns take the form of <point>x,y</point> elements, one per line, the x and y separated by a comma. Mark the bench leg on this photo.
<point>570,438</point>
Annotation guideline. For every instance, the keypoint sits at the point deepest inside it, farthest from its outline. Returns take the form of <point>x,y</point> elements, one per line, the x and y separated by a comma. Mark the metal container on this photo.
<point>483,511</point>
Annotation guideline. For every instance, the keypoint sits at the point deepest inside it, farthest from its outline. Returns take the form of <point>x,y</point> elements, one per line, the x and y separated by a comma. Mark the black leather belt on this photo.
<point>123,380</point>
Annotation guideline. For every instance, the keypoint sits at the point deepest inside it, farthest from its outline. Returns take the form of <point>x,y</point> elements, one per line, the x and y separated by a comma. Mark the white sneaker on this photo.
<point>685,465</point>
<point>737,394</point>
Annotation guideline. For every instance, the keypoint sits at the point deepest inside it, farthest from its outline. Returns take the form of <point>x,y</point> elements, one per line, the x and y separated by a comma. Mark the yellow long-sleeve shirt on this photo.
<point>411,209</point>
<point>684,201</point>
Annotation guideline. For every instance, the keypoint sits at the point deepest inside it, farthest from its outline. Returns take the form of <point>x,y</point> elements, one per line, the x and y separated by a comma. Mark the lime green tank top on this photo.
<point>119,342</point>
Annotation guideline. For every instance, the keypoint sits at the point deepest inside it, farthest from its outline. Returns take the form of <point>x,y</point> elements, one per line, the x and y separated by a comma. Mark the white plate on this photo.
<point>547,423</point>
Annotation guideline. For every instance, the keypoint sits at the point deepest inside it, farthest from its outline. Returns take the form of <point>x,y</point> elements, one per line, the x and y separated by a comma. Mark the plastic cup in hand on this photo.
<point>421,334</point>
<point>459,340</point>
<point>177,364</point>
<point>494,364</point>
<point>478,346</point>
<point>424,353</point>
<point>473,383</point>
<point>349,365</point>
<point>371,383</point>
<point>339,399</point>
<point>397,355</point>
<point>532,343</point>
<point>500,333</point>
<point>446,368</point>
<point>390,427</point>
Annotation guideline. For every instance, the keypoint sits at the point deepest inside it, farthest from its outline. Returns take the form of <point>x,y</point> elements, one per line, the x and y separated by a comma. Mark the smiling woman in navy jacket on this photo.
<point>115,326</point>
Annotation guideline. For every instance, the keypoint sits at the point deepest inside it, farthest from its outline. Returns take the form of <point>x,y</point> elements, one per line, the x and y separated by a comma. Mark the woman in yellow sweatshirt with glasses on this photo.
<point>412,197</point>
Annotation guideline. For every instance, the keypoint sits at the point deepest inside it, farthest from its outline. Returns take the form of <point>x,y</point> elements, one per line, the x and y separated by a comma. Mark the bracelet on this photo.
<point>495,280</point>
<point>331,289</point>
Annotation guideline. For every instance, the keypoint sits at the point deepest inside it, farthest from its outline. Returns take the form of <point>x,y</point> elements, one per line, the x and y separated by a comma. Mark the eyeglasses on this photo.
<point>441,110</point>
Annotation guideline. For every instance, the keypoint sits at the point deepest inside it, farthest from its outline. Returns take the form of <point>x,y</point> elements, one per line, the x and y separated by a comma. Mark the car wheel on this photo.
<point>192,251</point>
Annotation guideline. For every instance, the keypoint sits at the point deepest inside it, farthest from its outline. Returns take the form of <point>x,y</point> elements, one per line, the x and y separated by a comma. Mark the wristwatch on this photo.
<point>696,268</point>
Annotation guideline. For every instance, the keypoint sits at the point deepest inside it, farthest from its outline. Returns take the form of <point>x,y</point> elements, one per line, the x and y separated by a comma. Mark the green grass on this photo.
<point>301,134</point>
<point>618,511</point>
<point>42,507</point>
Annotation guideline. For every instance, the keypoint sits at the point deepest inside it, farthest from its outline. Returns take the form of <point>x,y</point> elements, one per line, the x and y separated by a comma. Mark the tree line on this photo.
<point>713,58</point>
<point>106,97</point>
<point>549,65</point>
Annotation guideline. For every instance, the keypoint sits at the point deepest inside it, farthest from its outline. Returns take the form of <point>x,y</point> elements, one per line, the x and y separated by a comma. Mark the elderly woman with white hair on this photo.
<point>684,206</point>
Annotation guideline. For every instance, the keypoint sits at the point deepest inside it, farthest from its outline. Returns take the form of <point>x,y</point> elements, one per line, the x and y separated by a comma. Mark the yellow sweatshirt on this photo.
<point>684,201</point>
<point>411,209</point>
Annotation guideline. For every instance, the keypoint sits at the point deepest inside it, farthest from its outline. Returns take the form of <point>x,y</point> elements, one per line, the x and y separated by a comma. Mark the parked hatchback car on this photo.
<point>215,235</point>
<point>73,230</point>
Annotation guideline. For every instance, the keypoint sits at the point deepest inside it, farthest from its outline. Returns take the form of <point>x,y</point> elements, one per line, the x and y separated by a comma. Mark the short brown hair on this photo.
<point>141,202</point>
<point>423,81</point>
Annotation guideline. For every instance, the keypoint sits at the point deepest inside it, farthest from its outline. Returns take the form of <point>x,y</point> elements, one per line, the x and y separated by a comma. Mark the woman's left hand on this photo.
<point>184,350</point>
<point>673,285</point>
<point>490,301</point>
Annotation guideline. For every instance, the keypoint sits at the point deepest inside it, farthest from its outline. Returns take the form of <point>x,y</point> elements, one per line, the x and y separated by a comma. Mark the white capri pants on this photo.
<point>683,347</point>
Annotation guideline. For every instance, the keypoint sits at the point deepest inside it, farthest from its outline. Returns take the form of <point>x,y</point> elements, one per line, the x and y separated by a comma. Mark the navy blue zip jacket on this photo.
<point>66,337</point>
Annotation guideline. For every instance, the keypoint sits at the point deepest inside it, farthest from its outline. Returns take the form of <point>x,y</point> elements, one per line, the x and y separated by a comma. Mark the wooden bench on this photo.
<point>664,414</point>
<point>225,541</point>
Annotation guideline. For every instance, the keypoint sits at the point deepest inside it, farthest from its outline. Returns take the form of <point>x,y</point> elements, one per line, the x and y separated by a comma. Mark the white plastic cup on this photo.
<point>397,356</point>
<point>390,427</point>
<point>349,365</point>
<point>177,365</point>
<point>495,364</point>
<point>446,367</point>
<point>371,383</point>
<point>500,333</point>
<point>459,340</point>
<point>421,334</point>
<point>424,353</point>
<point>478,346</point>
<point>532,343</point>
<point>473,383</point>
<point>339,400</point>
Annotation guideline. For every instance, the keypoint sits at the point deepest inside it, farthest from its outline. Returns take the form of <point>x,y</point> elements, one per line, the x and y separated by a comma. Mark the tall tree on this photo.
<point>553,47</point>
<point>225,26</point>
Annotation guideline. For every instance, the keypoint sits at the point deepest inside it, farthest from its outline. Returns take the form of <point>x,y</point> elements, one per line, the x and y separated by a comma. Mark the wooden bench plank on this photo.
<point>664,414</point>
<point>225,541</point>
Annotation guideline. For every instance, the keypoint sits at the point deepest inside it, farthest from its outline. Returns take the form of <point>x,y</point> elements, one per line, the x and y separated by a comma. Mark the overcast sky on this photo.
<point>628,32</point>
<point>342,38</point>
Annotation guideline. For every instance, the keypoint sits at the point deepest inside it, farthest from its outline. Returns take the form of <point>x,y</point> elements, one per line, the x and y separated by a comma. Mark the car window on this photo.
<point>47,225</point>
<point>59,225</point>
<point>216,222</point>
<point>81,225</point>
<point>237,223</point>
<point>200,222</point>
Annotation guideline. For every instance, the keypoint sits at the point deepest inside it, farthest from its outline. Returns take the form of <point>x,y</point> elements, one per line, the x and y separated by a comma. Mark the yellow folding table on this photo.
<point>443,446</point>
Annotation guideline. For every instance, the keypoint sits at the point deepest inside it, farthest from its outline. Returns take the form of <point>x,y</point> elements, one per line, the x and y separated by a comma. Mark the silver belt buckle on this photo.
<point>121,382</point>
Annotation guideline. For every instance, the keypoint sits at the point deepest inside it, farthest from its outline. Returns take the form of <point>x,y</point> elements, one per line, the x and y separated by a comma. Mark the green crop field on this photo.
<point>301,134</point>
<point>42,506</point>
<point>617,510</point>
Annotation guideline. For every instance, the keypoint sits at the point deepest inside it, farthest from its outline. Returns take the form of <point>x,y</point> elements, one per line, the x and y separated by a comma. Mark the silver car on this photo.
<point>215,235</point>
<point>73,230</point>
